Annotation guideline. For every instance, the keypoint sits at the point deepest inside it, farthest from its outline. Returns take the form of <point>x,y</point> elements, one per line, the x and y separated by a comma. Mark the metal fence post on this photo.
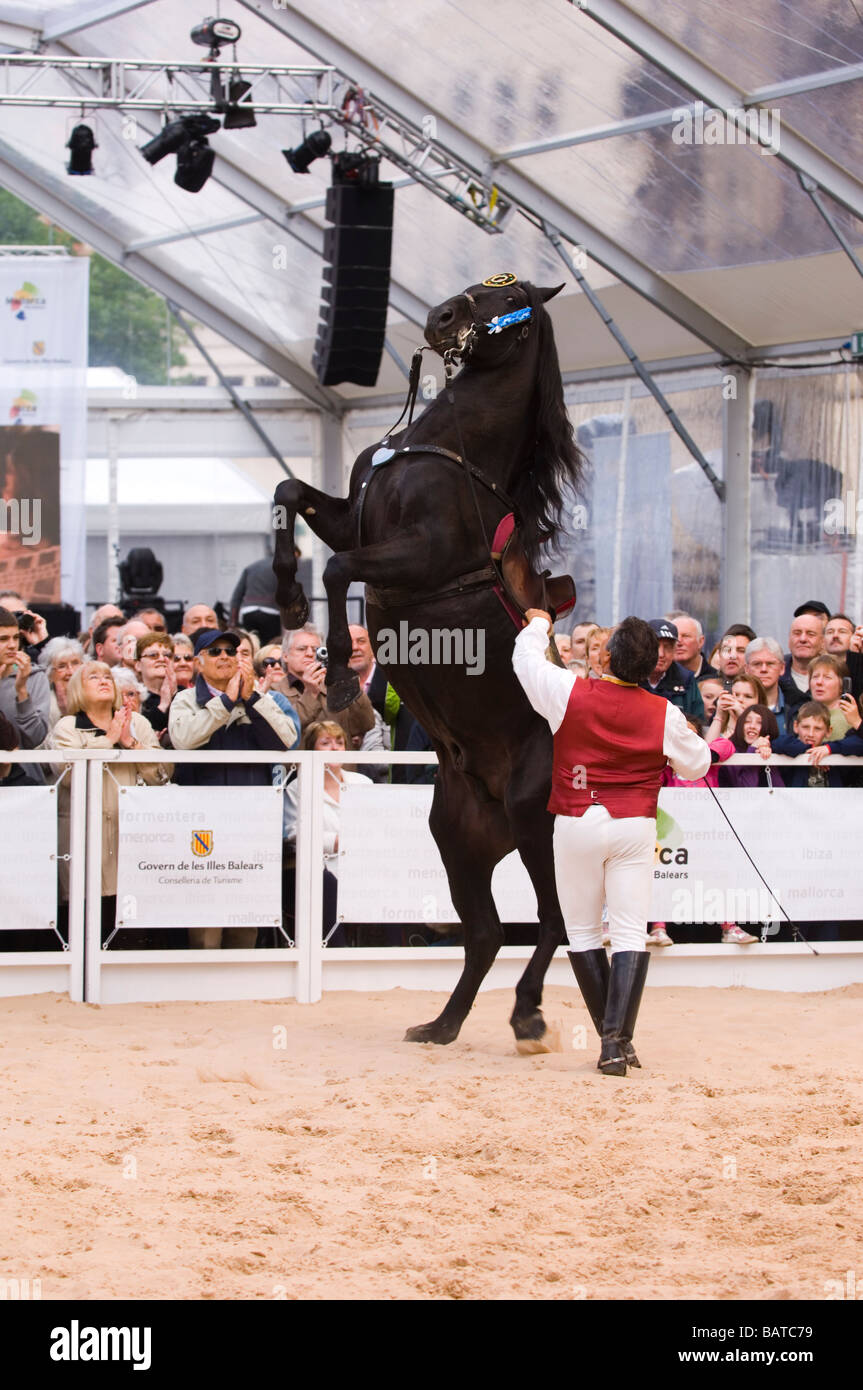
<point>77,875</point>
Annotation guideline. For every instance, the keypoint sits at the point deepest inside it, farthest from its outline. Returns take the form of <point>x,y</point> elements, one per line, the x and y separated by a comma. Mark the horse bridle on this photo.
<point>467,337</point>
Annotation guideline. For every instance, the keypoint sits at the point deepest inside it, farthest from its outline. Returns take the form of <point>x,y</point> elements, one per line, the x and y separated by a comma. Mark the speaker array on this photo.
<point>357,249</point>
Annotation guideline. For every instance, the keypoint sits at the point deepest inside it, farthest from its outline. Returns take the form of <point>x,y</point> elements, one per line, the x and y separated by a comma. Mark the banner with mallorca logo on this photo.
<point>743,855</point>
<point>43,426</point>
<point>199,857</point>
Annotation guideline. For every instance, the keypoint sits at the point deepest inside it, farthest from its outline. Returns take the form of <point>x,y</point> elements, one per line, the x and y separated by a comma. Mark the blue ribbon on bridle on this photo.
<point>501,321</point>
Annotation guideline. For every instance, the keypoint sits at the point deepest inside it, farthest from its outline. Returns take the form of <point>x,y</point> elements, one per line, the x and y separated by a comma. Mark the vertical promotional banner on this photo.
<point>43,426</point>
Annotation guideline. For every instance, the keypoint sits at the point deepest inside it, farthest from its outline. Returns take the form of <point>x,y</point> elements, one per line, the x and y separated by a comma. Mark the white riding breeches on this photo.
<point>597,859</point>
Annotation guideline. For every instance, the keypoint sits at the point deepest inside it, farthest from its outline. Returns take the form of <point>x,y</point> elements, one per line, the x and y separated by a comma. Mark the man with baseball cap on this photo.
<point>223,710</point>
<point>669,679</point>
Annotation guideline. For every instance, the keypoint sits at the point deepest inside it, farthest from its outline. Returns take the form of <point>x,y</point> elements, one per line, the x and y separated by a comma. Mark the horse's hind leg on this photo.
<point>533,828</point>
<point>330,518</point>
<point>472,837</point>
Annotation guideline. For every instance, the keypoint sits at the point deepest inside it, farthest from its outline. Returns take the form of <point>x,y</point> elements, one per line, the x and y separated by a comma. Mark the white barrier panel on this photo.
<point>28,878</point>
<point>390,869</point>
<point>199,857</point>
<point>804,841</point>
<point>804,844</point>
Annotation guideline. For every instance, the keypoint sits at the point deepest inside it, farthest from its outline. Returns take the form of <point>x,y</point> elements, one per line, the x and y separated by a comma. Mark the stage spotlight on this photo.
<point>238,113</point>
<point>177,133</point>
<point>313,147</point>
<point>81,144</point>
<point>194,165</point>
<point>215,33</point>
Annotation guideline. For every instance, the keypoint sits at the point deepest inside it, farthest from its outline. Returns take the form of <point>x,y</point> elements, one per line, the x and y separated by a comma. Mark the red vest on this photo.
<point>608,750</point>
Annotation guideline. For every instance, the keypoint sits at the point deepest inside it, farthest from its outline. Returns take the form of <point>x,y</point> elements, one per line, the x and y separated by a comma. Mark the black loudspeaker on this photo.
<point>358,248</point>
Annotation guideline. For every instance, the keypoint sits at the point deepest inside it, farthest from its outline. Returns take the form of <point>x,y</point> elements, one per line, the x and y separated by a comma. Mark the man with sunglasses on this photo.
<point>224,710</point>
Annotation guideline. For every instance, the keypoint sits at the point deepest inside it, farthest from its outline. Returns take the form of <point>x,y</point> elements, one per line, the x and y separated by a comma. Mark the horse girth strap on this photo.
<point>417,451</point>
<point>409,598</point>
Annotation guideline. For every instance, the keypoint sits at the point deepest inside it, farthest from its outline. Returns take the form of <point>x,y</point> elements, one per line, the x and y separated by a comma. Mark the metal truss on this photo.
<point>529,197</point>
<point>383,130</point>
<point>126,84</point>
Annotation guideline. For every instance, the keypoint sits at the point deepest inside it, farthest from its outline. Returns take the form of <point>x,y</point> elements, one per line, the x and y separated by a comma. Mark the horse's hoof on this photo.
<point>342,693</point>
<point>294,608</point>
<point>549,1042</point>
<point>432,1033</point>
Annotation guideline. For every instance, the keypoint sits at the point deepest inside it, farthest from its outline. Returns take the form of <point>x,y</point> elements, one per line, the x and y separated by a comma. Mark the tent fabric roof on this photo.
<point>719,230</point>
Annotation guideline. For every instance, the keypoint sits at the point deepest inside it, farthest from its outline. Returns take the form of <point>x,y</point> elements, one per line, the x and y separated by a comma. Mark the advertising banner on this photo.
<point>802,841</point>
<point>43,426</point>
<point>28,834</point>
<point>199,857</point>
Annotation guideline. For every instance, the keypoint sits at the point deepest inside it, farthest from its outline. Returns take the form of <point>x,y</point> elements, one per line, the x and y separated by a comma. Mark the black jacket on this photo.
<point>255,735</point>
<point>678,685</point>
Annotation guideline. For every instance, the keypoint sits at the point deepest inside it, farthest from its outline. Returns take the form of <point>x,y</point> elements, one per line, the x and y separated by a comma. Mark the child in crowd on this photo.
<point>809,741</point>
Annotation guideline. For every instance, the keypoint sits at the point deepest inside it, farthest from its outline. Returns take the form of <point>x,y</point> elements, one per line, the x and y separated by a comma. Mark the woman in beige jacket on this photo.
<point>96,718</point>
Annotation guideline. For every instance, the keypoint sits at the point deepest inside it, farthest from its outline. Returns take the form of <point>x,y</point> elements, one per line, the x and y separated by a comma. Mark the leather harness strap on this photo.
<point>417,451</point>
<point>407,598</point>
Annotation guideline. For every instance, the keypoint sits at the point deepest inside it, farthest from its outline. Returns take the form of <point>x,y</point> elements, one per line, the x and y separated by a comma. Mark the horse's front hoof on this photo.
<point>294,607</point>
<point>342,693</point>
<point>436,1032</point>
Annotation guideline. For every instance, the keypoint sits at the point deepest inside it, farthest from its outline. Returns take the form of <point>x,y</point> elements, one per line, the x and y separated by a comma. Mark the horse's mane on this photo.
<point>537,488</point>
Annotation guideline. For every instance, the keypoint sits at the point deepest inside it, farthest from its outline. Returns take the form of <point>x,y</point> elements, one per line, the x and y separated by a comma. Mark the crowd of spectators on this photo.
<point>127,682</point>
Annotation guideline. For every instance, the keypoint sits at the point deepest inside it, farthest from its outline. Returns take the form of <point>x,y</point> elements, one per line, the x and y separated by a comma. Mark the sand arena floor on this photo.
<point>180,1151</point>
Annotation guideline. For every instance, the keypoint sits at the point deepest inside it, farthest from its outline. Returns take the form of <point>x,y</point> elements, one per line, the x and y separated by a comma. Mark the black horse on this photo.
<point>416,528</point>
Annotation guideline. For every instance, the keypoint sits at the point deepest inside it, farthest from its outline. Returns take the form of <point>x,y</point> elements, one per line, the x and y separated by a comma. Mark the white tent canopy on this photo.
<point>699,250</point>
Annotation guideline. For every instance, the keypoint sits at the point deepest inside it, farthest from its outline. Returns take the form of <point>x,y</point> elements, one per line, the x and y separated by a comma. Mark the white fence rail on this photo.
<point>88,972</point>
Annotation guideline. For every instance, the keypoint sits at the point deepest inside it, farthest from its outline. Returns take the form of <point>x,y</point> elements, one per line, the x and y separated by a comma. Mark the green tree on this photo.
<point>130,327</point>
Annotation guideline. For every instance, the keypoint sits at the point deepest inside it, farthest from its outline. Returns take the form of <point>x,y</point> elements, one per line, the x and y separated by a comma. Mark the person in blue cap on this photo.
<point>669,679</point>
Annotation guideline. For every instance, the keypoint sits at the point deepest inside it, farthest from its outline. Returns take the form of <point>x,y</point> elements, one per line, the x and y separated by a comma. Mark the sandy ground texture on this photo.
<point>274,1150</point>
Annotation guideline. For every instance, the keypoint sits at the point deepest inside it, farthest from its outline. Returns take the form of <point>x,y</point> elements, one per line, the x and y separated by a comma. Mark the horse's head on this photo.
<point>480,323</point>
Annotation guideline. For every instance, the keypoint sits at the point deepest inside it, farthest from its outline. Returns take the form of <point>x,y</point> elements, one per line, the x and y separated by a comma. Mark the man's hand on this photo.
<point>246,672</point>
<point>35,628</point>
<point>538,613</point>
<point>24,668</point>
<point>857,640</point>
<point>315,676</point>
<point>232,689</point>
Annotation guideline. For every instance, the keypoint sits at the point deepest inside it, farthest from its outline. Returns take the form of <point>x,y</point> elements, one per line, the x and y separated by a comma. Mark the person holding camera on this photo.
<point>305,686</point>
<point>25,697</point>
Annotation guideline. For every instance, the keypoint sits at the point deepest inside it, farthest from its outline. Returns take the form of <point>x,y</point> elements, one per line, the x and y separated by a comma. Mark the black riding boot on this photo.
<point>591,970</point>
<point>625,987</point>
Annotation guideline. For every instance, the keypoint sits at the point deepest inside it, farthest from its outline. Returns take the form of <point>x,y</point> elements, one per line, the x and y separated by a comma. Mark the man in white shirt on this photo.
<point>612,740</point>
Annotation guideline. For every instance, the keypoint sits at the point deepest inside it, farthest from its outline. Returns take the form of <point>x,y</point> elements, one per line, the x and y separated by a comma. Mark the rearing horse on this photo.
<point>415,528</point>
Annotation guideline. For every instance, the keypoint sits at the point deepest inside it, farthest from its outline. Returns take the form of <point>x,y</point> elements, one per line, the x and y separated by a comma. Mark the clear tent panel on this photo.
<point>758,45</point>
